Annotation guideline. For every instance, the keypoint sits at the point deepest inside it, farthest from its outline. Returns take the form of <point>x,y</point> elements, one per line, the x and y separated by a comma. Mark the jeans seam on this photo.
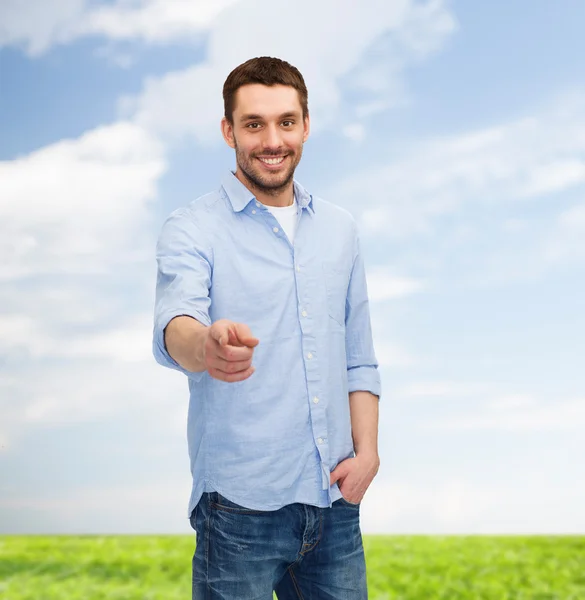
<point>296,585</point>
<point>207,541</point>
<point>303,552</point>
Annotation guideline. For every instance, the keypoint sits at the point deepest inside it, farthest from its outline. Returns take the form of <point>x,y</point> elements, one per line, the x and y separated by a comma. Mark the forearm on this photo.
<point>363,408</point>
<point>185,342</point>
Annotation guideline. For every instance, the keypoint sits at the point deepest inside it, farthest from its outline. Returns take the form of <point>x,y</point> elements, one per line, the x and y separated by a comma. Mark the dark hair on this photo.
<point>267,71</point>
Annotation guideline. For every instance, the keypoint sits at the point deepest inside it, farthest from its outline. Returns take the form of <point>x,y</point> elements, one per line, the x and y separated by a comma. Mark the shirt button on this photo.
<point>316,400</point>
<point>253,212</point>
<point>257,203</point>
<point>275,229</point>
<point>304,313</point>
<point>320,440</point>
<point>298,268</point>
<point>309,356</point>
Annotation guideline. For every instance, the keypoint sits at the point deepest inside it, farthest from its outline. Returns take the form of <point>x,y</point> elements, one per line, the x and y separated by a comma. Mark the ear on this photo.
<point>306,128</point>
<point>227,130</point>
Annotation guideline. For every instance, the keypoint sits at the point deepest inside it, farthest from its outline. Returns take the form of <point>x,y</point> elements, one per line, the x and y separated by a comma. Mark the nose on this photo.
<point>272,140</point>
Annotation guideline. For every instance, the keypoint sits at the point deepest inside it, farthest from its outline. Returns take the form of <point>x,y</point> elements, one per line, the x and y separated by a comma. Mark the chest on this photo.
<point>260,278</point>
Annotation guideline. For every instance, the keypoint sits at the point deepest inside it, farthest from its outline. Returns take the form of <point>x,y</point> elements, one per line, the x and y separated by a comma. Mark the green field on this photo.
<point>399,567</point>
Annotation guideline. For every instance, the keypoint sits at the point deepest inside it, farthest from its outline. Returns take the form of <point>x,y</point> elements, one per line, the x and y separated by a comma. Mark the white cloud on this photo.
<point>393,355</point>
<point>566,241</point>
<point>78,206</point>
<point>332,55</point>
<point>522,159</point>
<point>355,132</point>
<point>365,49</point>
<point>151,20</point>
<point>442,389</point>
<point>518,413</point>
<point>459,506</point>
<point>38,25</point>
<point>41,395</point>
<point>401,507</point>
<point>557,175</point>
<point>509,402</point>
<point>382,285</point>
<point>141,508</point>
<point>130,342</point>
<point>75,223</point>
<point>453,506</point>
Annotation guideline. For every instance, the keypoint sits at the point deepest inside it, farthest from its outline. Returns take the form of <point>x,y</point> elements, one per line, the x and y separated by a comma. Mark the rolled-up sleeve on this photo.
<point>362,366</point>
<point>184,265</point>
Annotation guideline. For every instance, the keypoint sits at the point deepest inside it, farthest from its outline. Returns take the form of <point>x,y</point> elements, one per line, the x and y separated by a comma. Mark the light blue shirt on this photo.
<point>274,438</point>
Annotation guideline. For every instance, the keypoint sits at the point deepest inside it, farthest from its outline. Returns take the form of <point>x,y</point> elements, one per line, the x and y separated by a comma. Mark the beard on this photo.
<point>269,183</point>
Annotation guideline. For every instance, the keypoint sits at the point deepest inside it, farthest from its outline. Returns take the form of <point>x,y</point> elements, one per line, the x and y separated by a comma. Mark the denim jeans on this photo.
<point>299,551</point>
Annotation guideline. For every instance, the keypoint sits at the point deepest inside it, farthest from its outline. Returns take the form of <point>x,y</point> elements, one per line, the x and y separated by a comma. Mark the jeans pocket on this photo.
<point>219,502</point>
<point>348,503</point>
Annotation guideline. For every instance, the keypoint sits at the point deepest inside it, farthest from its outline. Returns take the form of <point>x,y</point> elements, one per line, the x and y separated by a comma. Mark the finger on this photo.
<point>340,472</point>
<point>231,377</point>
<point>227,366</point>
<point>222,346</point>
<point>233,353</point>
<point>244,335</point>
<point>237,338</point>
<point>220,333</point>
<point>233,337</point>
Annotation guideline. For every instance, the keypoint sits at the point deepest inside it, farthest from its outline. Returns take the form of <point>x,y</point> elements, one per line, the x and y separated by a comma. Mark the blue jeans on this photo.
<point>299,551</point>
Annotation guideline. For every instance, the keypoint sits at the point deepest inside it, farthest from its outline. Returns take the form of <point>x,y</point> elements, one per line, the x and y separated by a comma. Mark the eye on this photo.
<point>291,123</point>
<point>253,125</point>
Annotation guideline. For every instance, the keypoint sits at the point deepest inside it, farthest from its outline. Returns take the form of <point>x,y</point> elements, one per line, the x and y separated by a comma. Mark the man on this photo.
<point>261,301</point>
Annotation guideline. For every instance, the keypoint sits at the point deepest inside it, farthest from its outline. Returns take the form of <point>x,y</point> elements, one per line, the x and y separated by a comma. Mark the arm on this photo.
<point>363,407</point>
<point>185,341</point>
<point>181,312</point>
<point>362,366</point>
<point>184,338</point>
<point>355,474</point>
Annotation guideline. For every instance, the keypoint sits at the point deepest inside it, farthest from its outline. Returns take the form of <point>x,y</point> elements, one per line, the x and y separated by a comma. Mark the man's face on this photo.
<point>268,133</point>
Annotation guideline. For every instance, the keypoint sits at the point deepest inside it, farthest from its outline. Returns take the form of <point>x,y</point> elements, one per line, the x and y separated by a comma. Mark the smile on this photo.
<point>272,161</point>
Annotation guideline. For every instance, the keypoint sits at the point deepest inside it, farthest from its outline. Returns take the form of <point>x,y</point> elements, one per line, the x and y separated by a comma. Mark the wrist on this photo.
<point>201,347</point>
<point>370,454</point>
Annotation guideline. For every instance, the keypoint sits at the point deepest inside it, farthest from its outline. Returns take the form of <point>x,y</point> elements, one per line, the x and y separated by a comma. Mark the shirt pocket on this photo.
<point>336,283</point>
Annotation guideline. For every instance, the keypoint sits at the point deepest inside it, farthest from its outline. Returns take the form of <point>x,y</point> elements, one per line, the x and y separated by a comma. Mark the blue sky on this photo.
<point>455,134</point>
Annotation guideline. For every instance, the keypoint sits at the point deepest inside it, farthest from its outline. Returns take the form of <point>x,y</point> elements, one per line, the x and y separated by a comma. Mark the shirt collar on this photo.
<point>240,196</point>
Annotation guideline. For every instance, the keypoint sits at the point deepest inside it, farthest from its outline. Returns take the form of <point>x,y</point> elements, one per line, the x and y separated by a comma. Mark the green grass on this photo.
<point>399,567</point>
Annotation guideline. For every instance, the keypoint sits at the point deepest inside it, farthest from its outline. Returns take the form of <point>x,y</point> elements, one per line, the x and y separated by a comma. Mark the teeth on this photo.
<point>272,161</point>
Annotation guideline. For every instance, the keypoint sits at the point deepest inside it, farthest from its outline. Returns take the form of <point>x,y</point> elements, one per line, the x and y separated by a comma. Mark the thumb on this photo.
<point>339,472</point>
<point>221,333</point>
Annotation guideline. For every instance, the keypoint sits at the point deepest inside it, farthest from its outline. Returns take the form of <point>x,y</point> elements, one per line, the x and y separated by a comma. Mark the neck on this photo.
<point>279,197</point>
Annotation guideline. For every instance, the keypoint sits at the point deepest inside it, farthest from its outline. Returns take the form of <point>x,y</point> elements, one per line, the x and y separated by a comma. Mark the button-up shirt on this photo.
<point>274,438</point>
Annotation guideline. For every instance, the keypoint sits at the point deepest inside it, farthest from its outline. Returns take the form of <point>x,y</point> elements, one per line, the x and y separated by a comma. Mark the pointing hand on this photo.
<point>228,351</point>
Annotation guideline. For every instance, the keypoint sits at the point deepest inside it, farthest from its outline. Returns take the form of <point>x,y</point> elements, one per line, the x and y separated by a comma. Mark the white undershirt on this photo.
<point>287,217</point>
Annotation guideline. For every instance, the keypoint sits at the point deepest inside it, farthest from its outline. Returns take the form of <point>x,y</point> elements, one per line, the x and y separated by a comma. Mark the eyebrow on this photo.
<point>254,117</point>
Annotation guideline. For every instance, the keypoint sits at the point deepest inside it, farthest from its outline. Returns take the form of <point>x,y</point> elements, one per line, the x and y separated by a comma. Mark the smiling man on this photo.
<point>261,301</point>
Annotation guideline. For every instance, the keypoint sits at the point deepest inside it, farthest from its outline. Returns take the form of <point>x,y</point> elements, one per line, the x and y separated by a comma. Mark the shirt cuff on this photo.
<point>364,378</point>
<point>159,349</point>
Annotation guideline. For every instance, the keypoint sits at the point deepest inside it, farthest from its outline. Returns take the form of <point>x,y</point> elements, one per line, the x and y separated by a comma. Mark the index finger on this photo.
<point>234,353</point>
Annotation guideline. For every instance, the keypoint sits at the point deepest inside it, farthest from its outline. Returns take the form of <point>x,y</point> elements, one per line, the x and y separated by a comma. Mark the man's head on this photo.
<point>266,121</point>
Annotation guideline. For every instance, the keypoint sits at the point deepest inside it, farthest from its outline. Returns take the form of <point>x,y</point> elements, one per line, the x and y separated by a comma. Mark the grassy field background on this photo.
<point>399,567</point>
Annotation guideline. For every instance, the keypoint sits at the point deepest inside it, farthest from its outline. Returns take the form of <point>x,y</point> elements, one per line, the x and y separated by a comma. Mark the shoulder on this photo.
<point>335,215</point>
<point>193,221</point>
<point>195,214</point>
